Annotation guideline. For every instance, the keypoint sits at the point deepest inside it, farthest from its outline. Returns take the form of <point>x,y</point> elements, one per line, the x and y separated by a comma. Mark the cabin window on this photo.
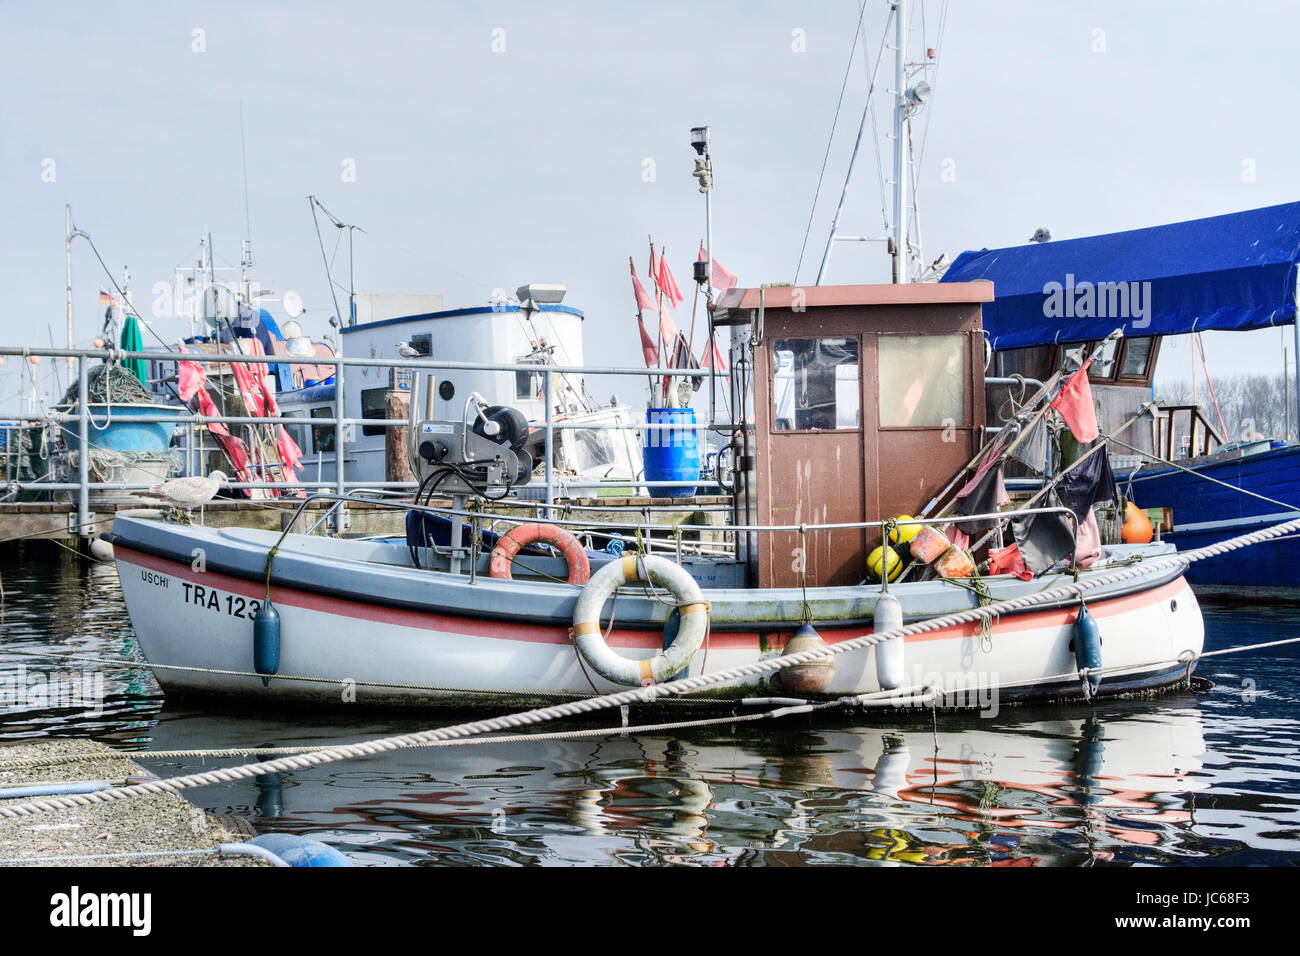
<point>372,406</point>
<point>529,385</point>
<point>322,436</point>
<point>1126,361</point>
<point>1137,353</point>
<point>922,381</point>
<point>815,384</point>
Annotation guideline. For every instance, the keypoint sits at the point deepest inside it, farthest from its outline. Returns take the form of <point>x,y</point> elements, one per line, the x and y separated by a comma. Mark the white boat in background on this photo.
<point>533,329</point>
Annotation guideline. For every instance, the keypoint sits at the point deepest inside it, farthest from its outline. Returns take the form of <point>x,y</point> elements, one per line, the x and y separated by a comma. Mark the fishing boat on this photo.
<point>520,334</point>
<point>1235,272</point>
<point>490,603</point>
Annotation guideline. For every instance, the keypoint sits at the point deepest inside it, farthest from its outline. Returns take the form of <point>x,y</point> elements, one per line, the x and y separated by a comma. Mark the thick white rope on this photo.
<point>642,695</point>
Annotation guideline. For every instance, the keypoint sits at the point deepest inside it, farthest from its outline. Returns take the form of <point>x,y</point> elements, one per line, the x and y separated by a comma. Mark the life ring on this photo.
<point>586,632</point>
<point>533,533</point>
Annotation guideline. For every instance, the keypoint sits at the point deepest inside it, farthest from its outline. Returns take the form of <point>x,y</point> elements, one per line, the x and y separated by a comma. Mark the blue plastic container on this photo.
<point>112,427</point>
<point>671,454</point>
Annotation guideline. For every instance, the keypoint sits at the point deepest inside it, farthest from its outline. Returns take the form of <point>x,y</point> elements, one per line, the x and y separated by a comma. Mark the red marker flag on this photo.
<point>723,278</point>
<point>668,285</point>
<point>667,327</point>
<point>648,347</point>
<point>713,357</point>
<point>1074,403</point>
<point>643,299</point>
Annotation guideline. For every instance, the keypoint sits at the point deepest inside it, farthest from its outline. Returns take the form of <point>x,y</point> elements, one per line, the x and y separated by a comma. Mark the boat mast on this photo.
<point>900,160</point>
<point>907,101</point>
<point>67,257</point>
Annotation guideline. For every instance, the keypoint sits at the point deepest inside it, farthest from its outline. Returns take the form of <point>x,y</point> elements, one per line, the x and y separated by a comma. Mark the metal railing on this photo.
<point>339,421</point>
<point>461,515</point>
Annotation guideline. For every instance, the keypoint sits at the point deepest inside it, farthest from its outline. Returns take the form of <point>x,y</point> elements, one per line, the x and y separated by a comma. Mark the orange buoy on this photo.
<point>1137,526</point>
<point>533,532</point>
<point>928,545</point>
<point>954,563</point>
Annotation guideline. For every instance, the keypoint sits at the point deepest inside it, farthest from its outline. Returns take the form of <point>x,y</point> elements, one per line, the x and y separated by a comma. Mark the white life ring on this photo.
<point>586,632</point>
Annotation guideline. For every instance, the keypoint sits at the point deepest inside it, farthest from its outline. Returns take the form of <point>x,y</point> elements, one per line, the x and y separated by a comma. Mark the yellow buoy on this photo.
<point>876,561</point>
<point>905,533</point>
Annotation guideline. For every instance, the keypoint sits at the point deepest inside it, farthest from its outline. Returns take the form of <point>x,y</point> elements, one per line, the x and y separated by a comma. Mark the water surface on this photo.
<point>1186,779</point>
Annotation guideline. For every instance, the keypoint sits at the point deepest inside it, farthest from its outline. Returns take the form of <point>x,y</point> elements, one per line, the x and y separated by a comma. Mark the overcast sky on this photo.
<point>494,144</point>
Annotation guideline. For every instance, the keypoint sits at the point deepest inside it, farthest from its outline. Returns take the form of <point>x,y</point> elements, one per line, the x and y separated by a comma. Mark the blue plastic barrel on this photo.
<point>671,454</point>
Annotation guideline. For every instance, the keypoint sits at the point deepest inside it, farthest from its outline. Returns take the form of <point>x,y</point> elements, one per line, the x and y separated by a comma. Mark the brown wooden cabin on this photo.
<point>867,400</point>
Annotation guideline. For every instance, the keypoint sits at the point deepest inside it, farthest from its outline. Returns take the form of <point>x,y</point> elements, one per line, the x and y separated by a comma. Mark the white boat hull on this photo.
<point>196,629</point>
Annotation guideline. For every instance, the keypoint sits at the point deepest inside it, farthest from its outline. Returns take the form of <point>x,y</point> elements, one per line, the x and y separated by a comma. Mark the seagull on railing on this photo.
<point>186,494</point>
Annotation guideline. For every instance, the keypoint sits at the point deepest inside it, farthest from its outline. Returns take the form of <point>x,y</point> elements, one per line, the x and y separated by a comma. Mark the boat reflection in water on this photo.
<point>1075,789</point>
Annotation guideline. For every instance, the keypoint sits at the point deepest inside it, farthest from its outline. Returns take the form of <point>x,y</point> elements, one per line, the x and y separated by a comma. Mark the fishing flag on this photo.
<point>190,377</point>
<point>1008,561</point>
<point>648,347</point>
<point>667,327</point>
<point>290,453</point>
<point>643,298</point>
<point>667,284</point>
<point>713,357</point>
<point>723,278</point>
<point>1074,403</point>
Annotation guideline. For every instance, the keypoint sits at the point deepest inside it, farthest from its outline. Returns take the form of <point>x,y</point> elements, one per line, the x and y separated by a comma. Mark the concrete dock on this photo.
<point>151,824</point>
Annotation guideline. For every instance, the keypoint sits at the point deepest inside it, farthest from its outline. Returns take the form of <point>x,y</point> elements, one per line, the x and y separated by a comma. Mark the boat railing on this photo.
<point>1201,435</point>
<point>339,421</point>
<point>480,520</point>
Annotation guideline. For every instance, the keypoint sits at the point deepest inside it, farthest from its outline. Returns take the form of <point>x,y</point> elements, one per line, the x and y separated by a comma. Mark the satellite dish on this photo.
<point>292,303</point>
<point>291,330</point>
<point>221,305</point>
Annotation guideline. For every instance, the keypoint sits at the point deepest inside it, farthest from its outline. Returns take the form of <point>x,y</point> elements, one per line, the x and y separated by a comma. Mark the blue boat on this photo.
<point>1234,272</point>
<point>1204,512</point>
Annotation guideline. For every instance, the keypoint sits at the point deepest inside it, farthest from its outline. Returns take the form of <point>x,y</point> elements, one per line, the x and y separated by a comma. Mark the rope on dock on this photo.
<point>643,695</point>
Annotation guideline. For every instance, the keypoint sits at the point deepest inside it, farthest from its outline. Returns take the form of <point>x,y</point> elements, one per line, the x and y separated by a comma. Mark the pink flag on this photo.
<point>648,347</point>
<point>246,382</point>
<point>644,299</point>
<point>668,285</point>
<point>713,357</point>
<point>1074,403</point>
<point>290,453</point>
<point>723,278</point>
<point>667,327</point>
<point>190,377</point>
<point>208,409</point>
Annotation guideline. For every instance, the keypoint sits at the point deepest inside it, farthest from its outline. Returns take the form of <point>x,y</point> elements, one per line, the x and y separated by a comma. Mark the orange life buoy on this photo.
<point>535,532</point>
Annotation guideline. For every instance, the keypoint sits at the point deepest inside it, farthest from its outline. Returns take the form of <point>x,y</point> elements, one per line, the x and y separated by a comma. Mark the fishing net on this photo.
<point>114,465</point>
<point>112,385</point>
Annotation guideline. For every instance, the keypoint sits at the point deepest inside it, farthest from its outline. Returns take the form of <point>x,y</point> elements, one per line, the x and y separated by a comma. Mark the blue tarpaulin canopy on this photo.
<point>1234,272</point>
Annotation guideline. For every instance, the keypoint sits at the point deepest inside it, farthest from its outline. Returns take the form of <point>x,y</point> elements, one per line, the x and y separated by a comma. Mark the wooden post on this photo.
<point>397,466</point>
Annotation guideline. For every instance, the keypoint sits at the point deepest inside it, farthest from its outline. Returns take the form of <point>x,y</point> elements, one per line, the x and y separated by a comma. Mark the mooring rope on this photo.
<point>641,695</point>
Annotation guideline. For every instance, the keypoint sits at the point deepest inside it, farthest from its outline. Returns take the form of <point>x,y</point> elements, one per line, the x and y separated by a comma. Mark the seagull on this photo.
<point>406,350</point>
<point>186,494</point>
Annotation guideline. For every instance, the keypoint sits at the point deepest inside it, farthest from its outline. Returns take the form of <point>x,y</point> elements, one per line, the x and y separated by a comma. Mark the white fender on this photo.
<point>590,641</point>
<point>890,671</point>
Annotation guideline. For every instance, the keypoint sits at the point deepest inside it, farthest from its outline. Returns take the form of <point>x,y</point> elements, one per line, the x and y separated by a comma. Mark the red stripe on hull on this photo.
<point>638,638</point>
